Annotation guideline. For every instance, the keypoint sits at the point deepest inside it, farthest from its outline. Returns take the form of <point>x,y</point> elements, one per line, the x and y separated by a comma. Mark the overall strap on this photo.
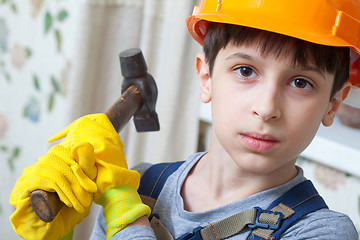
<point>151,184</point>
<point>153,180</point>
<point>264,224</point>
<point>292,205</point>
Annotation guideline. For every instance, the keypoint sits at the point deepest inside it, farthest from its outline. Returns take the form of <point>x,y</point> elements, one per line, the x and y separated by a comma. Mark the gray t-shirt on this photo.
<point>322,224</point>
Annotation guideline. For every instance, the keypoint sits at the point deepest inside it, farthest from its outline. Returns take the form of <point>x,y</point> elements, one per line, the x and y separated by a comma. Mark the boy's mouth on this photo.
<point>259,142</point>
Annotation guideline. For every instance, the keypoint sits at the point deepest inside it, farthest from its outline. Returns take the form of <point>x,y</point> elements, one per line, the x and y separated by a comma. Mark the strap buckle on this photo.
<point>195,235</point>
<point>259,224</point>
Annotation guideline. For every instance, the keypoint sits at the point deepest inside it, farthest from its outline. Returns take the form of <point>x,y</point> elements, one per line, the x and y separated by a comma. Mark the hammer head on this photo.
<point>134,70</point>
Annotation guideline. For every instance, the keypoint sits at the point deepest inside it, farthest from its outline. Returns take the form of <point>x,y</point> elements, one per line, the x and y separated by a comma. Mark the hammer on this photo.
<point>138,99</point>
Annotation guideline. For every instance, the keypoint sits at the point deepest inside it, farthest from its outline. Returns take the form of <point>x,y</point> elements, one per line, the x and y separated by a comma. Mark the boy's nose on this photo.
<point>267,104</point>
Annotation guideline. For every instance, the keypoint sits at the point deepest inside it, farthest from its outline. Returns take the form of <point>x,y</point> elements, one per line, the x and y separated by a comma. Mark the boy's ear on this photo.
<point>202,69</point>
<point>334,105</point>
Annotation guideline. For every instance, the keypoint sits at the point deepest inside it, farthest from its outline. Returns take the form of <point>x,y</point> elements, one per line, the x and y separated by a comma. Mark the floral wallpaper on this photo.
<point>36,49</point>
<point>10,152</point>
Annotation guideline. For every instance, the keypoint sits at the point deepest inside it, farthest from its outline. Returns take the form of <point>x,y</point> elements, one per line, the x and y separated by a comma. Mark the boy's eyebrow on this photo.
<point>307,68</point>
<point>241,55</point>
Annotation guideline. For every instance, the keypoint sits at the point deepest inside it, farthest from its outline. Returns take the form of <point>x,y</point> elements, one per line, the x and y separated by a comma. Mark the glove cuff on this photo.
<point>107,179</point>
<point>122,205</point>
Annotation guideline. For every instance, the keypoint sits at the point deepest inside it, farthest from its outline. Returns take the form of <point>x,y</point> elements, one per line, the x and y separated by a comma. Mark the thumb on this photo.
<point>83,153</point>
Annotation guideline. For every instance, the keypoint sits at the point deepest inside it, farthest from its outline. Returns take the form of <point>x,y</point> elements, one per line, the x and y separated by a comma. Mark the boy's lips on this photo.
<point>259,142</point>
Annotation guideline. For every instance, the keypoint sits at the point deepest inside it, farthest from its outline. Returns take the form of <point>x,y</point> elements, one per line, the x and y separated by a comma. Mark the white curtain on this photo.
<point>107,27</point>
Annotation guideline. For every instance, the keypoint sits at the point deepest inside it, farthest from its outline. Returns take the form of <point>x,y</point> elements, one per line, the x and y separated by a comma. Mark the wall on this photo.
<point>339,189</point>
<point>36,46</point>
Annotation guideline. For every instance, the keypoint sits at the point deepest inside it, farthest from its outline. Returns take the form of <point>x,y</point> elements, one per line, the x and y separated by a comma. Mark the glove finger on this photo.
<point>73,196</point>
<point>69,192</point>
<point>61,134</point>
<point>83,198</point>
<point>45,178</point>
<point>83,153</point>
<point>85,182</point>
<point>52,173</point>
<point>38,176</point>
<point>82,186</point>
<point>77,123</point>
<point>68,187</point>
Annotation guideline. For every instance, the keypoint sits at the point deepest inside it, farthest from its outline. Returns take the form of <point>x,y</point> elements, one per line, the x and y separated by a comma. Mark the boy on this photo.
<point>270,91</point>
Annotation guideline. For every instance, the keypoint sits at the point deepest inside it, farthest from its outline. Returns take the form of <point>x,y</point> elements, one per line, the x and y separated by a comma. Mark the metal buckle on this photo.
<point>265,225</point>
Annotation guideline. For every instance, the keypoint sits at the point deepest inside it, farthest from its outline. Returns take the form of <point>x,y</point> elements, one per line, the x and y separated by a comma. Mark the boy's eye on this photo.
<point>246,72</point>
<point>301,83</point>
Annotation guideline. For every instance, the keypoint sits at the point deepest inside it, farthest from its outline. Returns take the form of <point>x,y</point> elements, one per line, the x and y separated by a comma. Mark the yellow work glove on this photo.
<point>121,205</point>
<point>116,184</point>
<point>58,171</point>
<point>101,159</point>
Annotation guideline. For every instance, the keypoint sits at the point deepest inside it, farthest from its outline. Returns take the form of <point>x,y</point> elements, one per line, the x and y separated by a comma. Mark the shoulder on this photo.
<point>142,167</point>
<point>323,224</point>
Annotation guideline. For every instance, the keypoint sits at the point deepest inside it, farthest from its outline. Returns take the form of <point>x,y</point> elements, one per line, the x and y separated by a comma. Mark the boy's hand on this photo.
<point>109,160</point>
<point>116,184</point>
<point>81,168</point>
<point>56,171</point>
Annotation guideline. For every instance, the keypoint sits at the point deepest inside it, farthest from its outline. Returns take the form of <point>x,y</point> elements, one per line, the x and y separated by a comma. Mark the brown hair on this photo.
<point>334,60</point>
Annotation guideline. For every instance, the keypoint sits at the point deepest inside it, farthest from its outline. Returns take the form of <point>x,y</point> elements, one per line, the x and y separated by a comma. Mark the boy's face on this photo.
<point>265,111</point>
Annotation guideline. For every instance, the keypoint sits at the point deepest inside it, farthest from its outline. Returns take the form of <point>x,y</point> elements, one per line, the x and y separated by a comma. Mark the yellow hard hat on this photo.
<point>325,22</point>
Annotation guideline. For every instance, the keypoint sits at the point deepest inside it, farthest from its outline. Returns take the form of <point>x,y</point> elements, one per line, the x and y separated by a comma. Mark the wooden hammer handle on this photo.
<point>47,205</point>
